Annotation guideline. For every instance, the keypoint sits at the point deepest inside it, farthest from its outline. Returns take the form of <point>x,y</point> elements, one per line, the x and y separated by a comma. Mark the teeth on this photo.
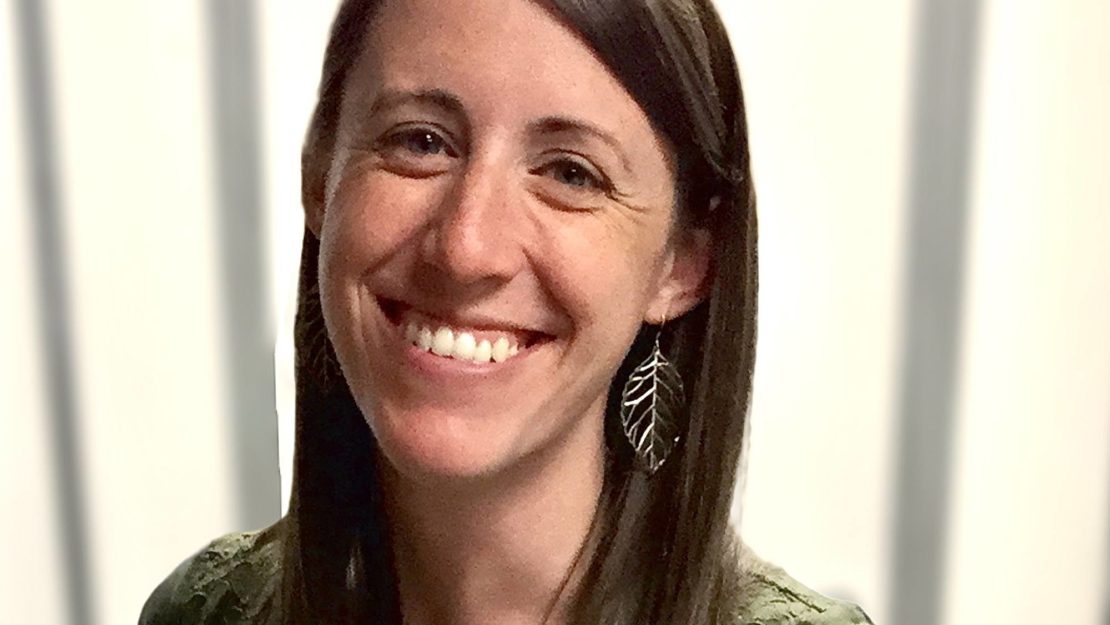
<point>483,352</point>
<point>424,339</point>
<point>462,346</point>
<point>444,342</point>
<point>501,350</point>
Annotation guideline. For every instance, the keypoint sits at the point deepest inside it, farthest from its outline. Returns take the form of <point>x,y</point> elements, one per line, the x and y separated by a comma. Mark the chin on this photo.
<point>433,446</point>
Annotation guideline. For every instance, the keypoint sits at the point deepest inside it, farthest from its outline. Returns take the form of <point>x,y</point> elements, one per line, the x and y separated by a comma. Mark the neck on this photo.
<point>507,548</point>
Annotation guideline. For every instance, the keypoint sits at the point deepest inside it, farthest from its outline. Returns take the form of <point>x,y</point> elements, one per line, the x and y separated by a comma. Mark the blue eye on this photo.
<point>575,174</point>
<point>425,143</point>
<point>420,142</point>
<point>417,151</point>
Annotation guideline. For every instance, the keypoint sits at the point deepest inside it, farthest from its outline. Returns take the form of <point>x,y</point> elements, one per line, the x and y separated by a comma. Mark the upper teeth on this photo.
<point>460,344</point>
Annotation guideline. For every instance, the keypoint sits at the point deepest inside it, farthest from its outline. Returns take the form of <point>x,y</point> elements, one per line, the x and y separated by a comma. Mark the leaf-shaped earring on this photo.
<point>650,405</point>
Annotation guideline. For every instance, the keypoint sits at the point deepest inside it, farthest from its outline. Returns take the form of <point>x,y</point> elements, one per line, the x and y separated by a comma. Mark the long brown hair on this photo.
<point>659,539</point>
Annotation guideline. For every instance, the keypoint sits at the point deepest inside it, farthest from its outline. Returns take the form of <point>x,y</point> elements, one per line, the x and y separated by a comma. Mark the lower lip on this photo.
<point>434,365</point>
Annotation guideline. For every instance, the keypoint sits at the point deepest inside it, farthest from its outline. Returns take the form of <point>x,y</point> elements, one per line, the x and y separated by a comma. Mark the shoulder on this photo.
<point>759,593</point>
<point>231,581</point>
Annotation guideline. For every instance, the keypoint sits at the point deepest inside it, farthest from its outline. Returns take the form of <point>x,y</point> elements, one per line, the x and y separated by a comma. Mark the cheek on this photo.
<point>371,217</point>
<point>370,220</point>
<point>603,277</point>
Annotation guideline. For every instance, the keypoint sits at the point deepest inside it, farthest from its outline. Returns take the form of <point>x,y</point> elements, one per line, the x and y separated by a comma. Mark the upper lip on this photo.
<point>456,319</point>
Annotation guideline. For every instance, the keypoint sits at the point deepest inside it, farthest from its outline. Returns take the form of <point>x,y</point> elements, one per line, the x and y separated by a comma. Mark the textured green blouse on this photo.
<point>233,581</point>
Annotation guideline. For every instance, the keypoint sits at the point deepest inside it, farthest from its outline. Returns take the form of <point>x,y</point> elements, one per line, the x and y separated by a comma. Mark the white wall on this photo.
<point>29,526</point>
<point>826,86</point>
<point>1029,520</point>
<point>135,163</point>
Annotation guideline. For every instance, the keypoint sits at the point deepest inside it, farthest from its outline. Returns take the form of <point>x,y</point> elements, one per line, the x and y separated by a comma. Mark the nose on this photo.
<point>471,239</point>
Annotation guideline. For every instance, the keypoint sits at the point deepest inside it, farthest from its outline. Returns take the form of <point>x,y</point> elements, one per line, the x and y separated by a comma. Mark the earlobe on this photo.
<point>314,218</point>
<point>686,279</point>
<point>315,166</point>
<point>313,195</point>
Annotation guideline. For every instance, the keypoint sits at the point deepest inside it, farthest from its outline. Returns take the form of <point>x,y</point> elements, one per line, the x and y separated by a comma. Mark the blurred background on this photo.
<point>931,422</point>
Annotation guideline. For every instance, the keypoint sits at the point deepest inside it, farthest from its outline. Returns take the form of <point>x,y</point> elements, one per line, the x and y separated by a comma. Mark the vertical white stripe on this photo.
<point>32,578</point>
<point>826,87</point>
<point>1029,520</point>
<point>134,130</point>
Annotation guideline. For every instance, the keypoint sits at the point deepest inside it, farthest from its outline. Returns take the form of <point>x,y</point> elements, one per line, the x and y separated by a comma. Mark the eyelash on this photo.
<point>399,139</point>
<point>596,181</point>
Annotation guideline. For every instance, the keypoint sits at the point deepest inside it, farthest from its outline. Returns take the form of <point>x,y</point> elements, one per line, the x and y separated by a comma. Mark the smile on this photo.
<point>460,344</point>
<point>478,343</point>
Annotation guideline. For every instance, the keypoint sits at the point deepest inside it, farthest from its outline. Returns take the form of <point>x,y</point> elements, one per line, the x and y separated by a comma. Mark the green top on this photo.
<point>233,581</point>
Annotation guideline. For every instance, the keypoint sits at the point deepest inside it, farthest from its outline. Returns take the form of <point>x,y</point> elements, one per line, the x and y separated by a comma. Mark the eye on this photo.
<point>417,151</point>
<point>420,142</point>
<point>575,174</point>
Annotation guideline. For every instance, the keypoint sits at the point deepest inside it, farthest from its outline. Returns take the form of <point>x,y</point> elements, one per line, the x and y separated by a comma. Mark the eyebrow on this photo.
<point>392,98</point>
<point>559,124</point>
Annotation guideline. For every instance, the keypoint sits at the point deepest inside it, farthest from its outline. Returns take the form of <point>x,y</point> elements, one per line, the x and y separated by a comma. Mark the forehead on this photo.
<point>504,59</point>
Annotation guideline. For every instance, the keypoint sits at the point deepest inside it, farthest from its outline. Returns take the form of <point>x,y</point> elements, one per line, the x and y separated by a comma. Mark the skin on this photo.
<point>464,181</point>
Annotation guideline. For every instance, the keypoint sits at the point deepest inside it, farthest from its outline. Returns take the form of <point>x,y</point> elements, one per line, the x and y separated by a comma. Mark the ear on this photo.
<point>684,281</point>
<point>315,163</point>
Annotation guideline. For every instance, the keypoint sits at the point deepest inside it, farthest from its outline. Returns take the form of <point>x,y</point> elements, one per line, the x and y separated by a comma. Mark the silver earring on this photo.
<point>650,404</point>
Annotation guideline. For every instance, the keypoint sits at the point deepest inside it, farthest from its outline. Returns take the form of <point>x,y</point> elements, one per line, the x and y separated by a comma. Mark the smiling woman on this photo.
<point>505,203</point>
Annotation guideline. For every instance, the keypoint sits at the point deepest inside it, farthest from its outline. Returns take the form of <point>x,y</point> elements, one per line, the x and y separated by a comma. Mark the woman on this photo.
<point>514,209</point>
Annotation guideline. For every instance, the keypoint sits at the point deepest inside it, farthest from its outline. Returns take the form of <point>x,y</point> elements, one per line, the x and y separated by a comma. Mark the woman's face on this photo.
<point>498,225</point>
